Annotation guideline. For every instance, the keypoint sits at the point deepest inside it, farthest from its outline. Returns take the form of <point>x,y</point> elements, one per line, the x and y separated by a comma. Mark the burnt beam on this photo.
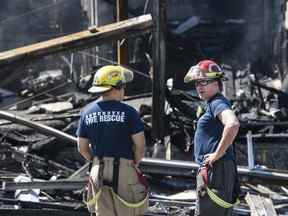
<point>78,41</point>
<point>159,67</point>
<point>39,127</point>
<point>41,212</point>
<point>44,185</point>
<point>38,205</point>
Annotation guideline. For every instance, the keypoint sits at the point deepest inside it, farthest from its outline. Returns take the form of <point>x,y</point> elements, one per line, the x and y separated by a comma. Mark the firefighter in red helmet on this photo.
<point>217,179</point>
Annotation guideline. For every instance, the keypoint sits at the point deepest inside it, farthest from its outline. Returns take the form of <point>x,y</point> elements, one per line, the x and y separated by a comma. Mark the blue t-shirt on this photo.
<point>209,129</point>
<point>109,126</point>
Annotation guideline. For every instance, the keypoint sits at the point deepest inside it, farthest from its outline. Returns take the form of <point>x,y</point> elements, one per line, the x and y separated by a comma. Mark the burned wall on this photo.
<point>31,21</point>
<point>235,33</point>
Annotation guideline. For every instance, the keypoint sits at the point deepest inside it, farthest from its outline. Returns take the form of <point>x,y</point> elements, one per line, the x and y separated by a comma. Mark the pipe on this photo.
<point>250,150</point>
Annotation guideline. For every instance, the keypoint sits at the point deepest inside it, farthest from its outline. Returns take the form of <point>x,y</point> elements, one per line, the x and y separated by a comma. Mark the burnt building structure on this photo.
<point>28,22</point>
<point>239,34</point>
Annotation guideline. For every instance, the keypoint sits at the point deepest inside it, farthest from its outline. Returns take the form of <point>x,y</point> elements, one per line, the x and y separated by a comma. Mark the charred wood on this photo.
<point>283,96</point>
<point>40,212</point>
<point>44,185</point>
<point>41,128</point>
<point>40,167</point>
<point>41,205</point>
<point>22,135</point>
<point>78,41</point>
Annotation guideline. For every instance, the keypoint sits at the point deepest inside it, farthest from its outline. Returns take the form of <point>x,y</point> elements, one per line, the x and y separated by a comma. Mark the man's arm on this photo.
<point>231,128</point>
<point>84,148</point>
<point>139,146</point>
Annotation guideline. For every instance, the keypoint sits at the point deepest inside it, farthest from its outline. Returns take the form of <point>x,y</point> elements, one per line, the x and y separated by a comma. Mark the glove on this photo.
<point>202,180</point>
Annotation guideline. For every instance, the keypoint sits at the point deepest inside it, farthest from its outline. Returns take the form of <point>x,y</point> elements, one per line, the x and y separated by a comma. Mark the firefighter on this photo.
<point>217,179</point>
<point>110,135</point>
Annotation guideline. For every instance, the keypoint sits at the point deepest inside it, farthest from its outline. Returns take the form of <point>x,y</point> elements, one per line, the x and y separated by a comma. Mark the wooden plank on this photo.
<point>255,204</point>
<point>78,41</point>
<point>260,206</point>
<point>184,195</point>
<point>265,191</point>
<point>270,210</point>
<point>57,107</point>
<point>261,189</point>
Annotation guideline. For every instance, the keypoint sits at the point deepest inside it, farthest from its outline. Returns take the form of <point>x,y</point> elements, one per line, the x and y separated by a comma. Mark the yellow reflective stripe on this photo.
<point>94,199</point>
<point>214,197</point>
<point>213,74</point>
<point>130,205</point>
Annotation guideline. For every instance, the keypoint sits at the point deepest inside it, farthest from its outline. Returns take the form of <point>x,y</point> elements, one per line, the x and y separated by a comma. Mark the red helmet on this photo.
<point>205,69</point>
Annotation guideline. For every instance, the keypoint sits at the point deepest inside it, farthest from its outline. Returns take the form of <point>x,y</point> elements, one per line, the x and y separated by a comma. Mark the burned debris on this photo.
<point>42,172</point>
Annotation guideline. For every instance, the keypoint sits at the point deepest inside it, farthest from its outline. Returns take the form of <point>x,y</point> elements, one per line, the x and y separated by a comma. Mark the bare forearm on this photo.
<point>84,148</point>
<point>139,146</point>
<point>86,154</point>
<point>228,136</point>
<point>230,130</point>
<point>139,154</point>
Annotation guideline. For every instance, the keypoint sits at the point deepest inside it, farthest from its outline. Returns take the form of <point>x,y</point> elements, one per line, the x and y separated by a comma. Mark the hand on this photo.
<point>209,159</point>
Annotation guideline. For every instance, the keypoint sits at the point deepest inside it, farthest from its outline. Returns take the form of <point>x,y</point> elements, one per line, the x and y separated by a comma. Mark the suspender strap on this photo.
<point>114,183</point>
<point>90,166</point>
<point>112,186</point>
<point>115,174</point>
<point>101,162</point>
<point>101,170</point>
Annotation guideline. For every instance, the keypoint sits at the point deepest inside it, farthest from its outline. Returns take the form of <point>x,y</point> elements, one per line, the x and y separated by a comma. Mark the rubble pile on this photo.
<point>41,168</point>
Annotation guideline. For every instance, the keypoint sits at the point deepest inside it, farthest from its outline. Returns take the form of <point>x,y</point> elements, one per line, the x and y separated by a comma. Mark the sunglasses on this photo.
<point>204,82</point>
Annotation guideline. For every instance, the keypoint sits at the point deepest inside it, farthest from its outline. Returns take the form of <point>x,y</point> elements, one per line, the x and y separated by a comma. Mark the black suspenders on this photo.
<point>115,178</point>
<point>115,174</point>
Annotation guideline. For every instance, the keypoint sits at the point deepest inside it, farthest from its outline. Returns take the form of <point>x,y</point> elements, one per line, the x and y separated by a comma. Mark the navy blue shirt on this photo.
<point>109,126</point>
<point>209,129</point>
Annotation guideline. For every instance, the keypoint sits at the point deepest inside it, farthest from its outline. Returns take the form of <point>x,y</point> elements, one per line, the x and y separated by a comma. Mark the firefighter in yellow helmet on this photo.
<point>217,179</point>
<point>110,135</point>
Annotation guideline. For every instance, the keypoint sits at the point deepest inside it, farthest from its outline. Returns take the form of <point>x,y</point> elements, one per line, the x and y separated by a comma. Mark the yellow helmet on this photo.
<point>110,76</point>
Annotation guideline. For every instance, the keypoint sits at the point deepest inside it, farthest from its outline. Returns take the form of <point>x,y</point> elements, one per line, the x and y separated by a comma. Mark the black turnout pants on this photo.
<point>221,177</point>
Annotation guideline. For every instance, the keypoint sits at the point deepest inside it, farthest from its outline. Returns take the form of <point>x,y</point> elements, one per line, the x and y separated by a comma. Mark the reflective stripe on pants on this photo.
<point>221,178</point>
<point>129,189</point>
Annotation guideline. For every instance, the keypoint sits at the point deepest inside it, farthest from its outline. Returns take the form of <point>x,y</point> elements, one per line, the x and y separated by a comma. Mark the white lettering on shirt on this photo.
<point>98,117</point>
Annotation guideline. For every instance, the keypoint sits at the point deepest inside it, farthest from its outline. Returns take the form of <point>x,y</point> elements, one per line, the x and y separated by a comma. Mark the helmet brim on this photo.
<point>196,73</point>
<point>189,80</point>
<point>99,89</point>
